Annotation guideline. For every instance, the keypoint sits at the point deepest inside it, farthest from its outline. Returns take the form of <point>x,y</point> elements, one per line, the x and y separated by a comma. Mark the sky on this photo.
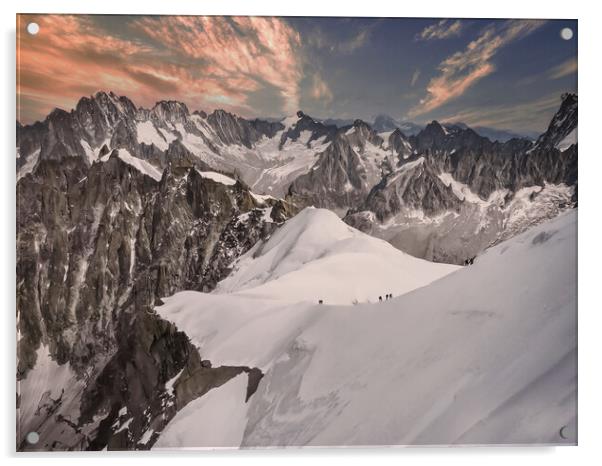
<point>505,74</point>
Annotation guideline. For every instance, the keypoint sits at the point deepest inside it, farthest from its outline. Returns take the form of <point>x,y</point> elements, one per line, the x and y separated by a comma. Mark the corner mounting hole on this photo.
<point>566,33</point>
<point>33,28</point>
<point>32,438</point>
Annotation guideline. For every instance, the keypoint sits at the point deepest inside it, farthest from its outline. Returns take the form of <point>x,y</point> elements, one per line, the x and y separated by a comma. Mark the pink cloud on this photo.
<point>252,50</point>
<point>320,89</point>
<point>463,69</point>
<point>206,62</point>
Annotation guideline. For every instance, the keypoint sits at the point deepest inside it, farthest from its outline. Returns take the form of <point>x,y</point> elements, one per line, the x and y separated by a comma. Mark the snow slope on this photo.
<point>218,177</point>
<point>141,165</point>
<point>568,141</point>
<point>317,256</point>
<point>486,354</point>
<point>222,424</point>
<point>148,134</point>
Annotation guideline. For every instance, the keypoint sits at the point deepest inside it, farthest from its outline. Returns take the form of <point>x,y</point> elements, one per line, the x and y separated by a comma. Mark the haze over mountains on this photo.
<point>121,206</point>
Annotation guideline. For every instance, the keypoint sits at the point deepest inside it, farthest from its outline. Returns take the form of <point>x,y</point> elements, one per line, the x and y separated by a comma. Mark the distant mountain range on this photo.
<point>384,123</point>
<point>387,123</point>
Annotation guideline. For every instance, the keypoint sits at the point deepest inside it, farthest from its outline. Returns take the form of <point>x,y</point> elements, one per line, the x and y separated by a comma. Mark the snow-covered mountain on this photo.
<point>459,193</point>
<point>385,123</point>
<point>317,256</point>
<point>500,135</point>
<point>348,168</point>
<point>121,206</point>
<point>486,354</point>
<point>266,155</point>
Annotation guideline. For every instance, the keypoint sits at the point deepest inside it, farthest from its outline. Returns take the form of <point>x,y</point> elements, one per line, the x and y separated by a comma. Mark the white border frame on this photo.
<point>590,145</point>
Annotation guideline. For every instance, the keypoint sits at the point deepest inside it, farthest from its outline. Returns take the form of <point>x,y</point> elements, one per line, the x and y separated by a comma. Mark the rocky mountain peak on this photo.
<point>170,111</point>
<point>562,131</point>
<point>435,128</point>
<point>432,137</point>
<point>384,123</point>
<point>113,105</point>
<point>307,123</point>
<point>397,133</point>
<point>221,115</point>
<point>232,129</point>
<point>362,124</point>
<point>361,133</point>
<point>399,143</point>
<point>57,114</point>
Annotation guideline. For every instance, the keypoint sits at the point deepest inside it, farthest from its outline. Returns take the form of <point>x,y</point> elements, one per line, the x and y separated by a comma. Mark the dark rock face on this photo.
<point>235,130</point>
<point>169,112</point>
<point>97,248</point>
<point>400,144</point>
<point>346,171</point>
<point>417,186</point>
<point>362,133</point>
<point>563,123</point>
<point>336,180</point>
<point>307,123</point>
<point>178,155</point>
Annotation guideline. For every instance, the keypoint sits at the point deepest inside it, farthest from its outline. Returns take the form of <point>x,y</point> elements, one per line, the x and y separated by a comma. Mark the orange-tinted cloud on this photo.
<point>243,52</point>
<point>203,61</point>
<point>320,89</point>
<point>463,69</point>
<point>564,69</point>
<point>444,29</point>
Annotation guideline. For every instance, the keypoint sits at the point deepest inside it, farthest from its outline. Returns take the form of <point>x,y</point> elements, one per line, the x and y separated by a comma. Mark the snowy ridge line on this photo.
<point>217,177</point>
<point>141,165</point>
<point>410,389</point>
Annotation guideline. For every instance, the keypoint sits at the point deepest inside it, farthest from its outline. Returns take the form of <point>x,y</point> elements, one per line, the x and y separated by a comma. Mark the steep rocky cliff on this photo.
<point>97,247</point>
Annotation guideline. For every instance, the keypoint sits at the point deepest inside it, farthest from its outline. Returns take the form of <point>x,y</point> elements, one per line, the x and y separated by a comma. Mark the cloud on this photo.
<point>463,69</point>
<point>356,42</point>
<point>203,61</point>
<point>444,29</point>
<point>68,58</point>
<point>415,77</point>
<point>251,50</point>
<point>320,89</point>
<point>532,115</point>
<point>320,39</point>
<point>564,69</point>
